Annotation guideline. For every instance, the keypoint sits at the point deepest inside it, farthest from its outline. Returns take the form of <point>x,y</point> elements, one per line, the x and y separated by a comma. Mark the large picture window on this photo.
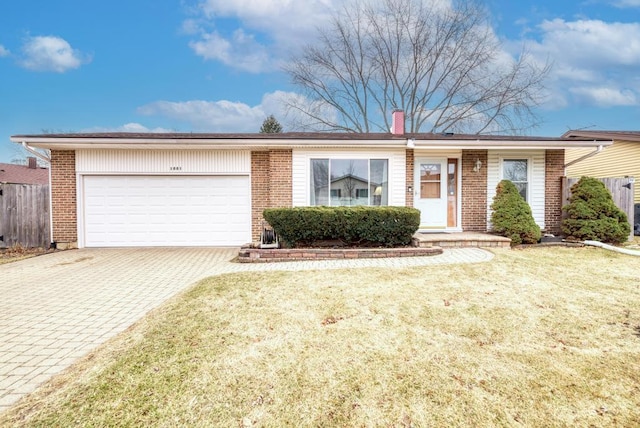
<point>517,171</point>
<point>346,182</point>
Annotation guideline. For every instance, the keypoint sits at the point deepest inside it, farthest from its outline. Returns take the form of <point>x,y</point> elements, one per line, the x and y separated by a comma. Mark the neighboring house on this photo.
<point>124,189</point>
<point>622,159</point>
<point>347,189</point>
<point>24,174</point>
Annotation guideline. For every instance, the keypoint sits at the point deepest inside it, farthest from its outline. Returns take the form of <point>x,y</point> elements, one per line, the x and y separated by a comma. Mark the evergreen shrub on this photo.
<point>592,214</point>
<point>511,215</point>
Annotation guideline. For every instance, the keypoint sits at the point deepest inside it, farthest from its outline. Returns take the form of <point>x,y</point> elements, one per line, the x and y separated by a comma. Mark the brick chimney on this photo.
<point>397,122</point>
<point>32,162</point>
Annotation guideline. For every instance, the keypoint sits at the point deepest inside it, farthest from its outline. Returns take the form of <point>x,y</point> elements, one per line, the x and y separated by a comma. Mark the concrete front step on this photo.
<point>460,240</point>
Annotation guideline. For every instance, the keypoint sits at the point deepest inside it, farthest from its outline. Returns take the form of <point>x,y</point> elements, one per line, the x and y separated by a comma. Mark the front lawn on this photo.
<point>537,337</point>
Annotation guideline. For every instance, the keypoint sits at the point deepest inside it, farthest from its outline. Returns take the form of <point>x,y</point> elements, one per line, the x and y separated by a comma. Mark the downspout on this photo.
<point>36,153</point>
<point>47,160</point>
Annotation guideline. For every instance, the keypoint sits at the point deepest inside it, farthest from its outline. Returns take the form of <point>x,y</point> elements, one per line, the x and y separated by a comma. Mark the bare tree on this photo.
<point>437,60</point>
<point>350,180</point>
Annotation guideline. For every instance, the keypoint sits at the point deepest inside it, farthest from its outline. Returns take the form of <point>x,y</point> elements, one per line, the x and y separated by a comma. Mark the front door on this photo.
<point>430,194</point>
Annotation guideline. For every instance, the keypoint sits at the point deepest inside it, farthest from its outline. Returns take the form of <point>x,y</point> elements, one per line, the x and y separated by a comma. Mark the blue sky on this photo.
<point>214,65</point>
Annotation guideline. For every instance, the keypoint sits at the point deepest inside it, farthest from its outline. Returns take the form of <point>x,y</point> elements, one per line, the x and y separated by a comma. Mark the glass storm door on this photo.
<point>430,192</point>
<point>452,193</point>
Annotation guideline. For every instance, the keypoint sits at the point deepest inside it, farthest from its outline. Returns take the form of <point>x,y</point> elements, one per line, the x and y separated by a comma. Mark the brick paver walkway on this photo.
<point>56,308</point>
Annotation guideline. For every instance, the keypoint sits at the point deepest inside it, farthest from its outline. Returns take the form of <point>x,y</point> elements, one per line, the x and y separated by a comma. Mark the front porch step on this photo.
<point>460,240</point>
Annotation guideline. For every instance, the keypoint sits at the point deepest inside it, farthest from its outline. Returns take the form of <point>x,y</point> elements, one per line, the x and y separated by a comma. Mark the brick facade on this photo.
<point>63,198</point>
<point>270,185</point>
<point>474,191</point>
<point>410,162</point>
<point>554,171</point>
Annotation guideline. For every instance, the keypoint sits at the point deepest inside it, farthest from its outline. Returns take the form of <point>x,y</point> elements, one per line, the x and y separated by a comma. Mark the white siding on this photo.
<point>178,162</point>
<point>301,171</point>
<point>536,180</point>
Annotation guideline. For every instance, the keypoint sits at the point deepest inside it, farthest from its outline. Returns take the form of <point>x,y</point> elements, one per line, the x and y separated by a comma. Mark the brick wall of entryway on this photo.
<point>63,198</point>
<point>474,191</point>
<point>270,185</point>
<point>554,171</point>
<point>410,156</point>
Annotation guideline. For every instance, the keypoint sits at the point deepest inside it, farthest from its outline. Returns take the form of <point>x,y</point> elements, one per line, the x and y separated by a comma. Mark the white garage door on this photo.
<point>166,211</point>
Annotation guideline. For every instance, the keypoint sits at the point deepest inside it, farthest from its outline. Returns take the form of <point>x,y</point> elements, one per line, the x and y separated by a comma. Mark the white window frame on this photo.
<point>368,157</point>
<point>529,170</point>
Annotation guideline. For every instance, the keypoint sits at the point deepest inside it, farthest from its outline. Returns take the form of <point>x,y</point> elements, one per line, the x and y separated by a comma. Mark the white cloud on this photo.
<point>626,3</point>
<point>51,53</point>
<point>4,51</point>
<point>220,116</point>
<point>208,116</point>
<point>284,19</point>
<point>605,96</point>
<point>241,51</point>
<point>190,27</point>
<point>592,42</point>
<point>128,127</point>
<point>265,32</point>
<point>594,62</point>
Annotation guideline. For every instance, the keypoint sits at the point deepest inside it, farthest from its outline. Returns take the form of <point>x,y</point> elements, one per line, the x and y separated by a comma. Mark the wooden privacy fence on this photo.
<point>621,190</point>
<point>24,215</point>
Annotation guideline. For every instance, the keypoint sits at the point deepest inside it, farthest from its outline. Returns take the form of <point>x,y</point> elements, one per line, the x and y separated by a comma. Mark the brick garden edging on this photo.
<point>256,255</point>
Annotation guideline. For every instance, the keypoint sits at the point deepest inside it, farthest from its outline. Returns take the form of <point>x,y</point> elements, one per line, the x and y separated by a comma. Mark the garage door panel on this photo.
<point>166,211</point>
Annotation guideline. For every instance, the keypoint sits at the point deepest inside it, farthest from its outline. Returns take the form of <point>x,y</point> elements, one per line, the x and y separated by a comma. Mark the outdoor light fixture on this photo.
<point>478,165</point>
<point>411,143</point>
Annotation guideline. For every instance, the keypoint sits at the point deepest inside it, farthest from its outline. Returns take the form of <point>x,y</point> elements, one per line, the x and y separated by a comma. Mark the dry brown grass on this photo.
<point>540,337</point>
<point>18,252</point>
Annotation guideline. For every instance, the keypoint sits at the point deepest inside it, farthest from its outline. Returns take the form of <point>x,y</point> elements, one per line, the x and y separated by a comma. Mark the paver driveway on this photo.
<point>56,308</point>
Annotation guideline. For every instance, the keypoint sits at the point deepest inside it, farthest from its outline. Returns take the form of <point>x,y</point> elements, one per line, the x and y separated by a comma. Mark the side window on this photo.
<point>517,171</point>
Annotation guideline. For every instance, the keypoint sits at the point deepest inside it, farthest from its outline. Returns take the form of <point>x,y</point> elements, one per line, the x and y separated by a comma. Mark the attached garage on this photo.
<point>163,198</point>
<point>148,211</point>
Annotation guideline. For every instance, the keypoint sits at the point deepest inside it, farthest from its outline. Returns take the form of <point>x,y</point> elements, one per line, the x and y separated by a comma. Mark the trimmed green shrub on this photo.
<point>511,216</point>
<point>592,214</point>
<point>352,226</point>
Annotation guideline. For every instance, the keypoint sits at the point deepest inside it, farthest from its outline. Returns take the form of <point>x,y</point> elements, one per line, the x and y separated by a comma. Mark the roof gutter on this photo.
<point>213,144</point>
<point>581,158</point>
<point>36,153</point>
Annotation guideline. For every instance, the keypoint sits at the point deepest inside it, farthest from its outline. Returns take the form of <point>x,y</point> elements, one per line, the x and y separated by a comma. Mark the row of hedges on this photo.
<point>361,225</point>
